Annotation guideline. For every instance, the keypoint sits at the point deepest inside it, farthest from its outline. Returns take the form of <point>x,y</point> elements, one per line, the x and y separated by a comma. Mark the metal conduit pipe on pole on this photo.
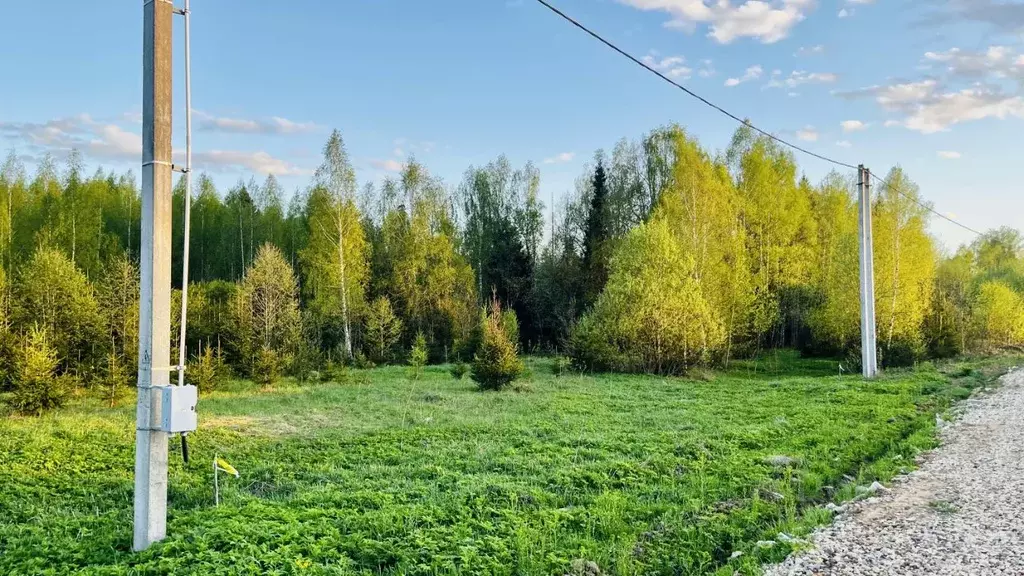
<point>182,349</point>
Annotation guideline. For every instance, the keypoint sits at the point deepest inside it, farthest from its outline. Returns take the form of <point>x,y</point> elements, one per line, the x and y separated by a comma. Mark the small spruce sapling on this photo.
<point>418,356</point>
<point>497,362</point>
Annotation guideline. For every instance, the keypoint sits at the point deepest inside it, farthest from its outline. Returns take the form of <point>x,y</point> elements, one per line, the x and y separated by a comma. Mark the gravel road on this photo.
<point>960,513</point>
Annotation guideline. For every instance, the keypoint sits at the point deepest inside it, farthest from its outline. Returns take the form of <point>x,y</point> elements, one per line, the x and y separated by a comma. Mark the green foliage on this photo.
<point>597,235</point>
<point>428,281</point>
<point>652,316</point>
<point>418,355</point>
<point>37,385</point>
<point>207,371</point>
<point>117,378</point>
<point>335,260</point>
<point>638,474</point>
<point>383,330</point>
<point>266,312</point>
<point>117,294</point>
<point>267,368</point>
<point>560,366</point>
<point>362,362</point>
<point>459,370</point>
<point>999,316</point>
<point>55,295</point>
<point>905,258</point>
<point>497,363</point>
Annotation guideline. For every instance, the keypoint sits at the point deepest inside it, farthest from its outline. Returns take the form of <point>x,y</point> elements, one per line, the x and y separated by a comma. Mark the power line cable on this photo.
<point>923,205</point>
<point>650,69</point>
<point>796,147</point>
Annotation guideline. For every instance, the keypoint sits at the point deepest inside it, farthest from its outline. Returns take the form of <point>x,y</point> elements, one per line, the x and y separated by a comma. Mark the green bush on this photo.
<point>497,363</point>
<point>332,371</point>
<point>459,370</point>
<point>418,355</point>
<point>116,379</point>
<point>207,370</point>
<point>305,362</point>
<point>267,368</point>
<point>383,330</point>
<point>560,366</point>
<point>900,353</point>
<point>362,362</point>
<point>37,386</point>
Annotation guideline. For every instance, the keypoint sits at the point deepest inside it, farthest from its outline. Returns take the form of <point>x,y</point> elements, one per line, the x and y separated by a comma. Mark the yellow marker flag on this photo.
<point>223,465</point>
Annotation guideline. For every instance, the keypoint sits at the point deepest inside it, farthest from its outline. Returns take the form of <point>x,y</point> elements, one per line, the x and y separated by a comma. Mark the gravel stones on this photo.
<point>959,514</point>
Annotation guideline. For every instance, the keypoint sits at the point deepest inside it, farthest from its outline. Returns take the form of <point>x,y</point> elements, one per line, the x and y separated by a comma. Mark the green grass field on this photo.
<point>383,475</point>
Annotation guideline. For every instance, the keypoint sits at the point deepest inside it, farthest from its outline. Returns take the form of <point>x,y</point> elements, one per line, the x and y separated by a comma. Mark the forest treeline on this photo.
<point>663,257</point>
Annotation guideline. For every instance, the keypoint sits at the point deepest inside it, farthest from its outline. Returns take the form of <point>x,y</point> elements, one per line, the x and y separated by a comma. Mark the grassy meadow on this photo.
<point>382,474</point>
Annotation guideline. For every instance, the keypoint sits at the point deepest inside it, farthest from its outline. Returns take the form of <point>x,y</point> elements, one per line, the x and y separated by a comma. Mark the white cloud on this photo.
<point>810,50</point>
<point>671,66</point>
<point>751,73</point>
<point>1003,15</point>
<point>949,155</point>
<point>110,142</point>
<point>388,165</point>
<point>843,13</point>
<point>404,146</point>
<point>707,69</point>
<point>808,134</point>
<point>853,125</point>
<point>562,158</point>
<point>274,125</point>
<point>927,109</point>
<point>800,77</point>
<point>259,162</point>
<point>766,20</point>
<point>93,139</point>
<point>996,61</point>
<point>844,144</point>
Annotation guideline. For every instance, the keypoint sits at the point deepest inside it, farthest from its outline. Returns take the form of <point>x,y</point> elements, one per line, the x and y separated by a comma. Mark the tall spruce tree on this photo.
<point>595,240</point>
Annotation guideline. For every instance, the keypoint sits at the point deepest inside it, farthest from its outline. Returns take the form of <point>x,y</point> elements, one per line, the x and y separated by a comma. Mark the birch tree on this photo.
<point>336,261</point>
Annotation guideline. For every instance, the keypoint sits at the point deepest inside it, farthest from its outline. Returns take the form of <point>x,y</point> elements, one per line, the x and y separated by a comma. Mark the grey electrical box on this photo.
<point>179,408</point>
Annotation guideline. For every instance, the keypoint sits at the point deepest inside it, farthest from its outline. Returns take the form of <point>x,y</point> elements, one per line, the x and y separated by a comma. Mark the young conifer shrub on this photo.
<point>267,368</point>
<point>497,363</point>
<point>418,355</point>
<point>37,386</point>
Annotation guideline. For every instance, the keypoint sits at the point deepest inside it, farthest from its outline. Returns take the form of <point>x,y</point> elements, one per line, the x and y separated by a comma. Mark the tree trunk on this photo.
<point>344,284</point>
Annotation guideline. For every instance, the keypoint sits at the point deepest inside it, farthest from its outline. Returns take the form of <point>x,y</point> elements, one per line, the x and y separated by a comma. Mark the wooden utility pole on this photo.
<point>868,339</point>
<point>150,522</point>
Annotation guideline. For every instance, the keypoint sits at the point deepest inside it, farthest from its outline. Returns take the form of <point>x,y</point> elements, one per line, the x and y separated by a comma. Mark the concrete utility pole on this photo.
<point>868,340</point>
<point>155,302</point>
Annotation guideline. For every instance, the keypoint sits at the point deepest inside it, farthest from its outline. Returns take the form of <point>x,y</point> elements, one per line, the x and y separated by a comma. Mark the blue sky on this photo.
<point>934,86</point>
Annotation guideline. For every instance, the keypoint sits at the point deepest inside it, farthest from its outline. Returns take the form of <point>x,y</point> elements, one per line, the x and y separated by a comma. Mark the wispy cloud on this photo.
<point>810,50</point>
<point>751,73</point>
<point>925,106</point>
<point>388,165</point>
<point>671,66</point>
<point>853,125</point>
<point>765,20</point>
<point>259,162</point>
<point>949,155</point>
<point>799,78</point>
<point>273,125</point>
<point>562,158</point>
<point>106,142</point>
<point>807,134</point>
<point>844,144</point>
